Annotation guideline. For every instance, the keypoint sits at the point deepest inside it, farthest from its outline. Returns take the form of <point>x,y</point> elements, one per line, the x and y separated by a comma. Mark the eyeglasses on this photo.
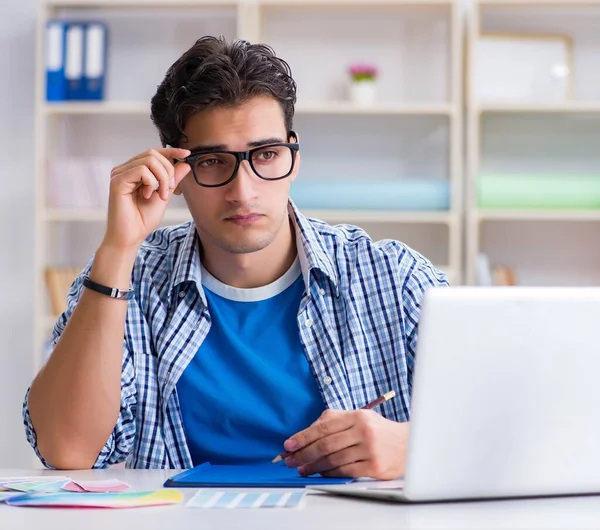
<point>212,169</point>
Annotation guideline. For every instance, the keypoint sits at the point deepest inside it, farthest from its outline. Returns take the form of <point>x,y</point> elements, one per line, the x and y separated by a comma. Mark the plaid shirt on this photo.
<point>357,322</point>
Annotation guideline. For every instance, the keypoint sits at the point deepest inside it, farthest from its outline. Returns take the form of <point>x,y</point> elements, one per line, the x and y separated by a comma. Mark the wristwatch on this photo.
<point>113,292</point>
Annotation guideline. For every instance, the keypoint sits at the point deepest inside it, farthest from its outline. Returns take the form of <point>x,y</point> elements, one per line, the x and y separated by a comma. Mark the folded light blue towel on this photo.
<point>413,194</point>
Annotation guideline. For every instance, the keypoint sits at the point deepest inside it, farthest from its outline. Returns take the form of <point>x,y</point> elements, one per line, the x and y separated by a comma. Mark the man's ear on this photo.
<point>294,138</point>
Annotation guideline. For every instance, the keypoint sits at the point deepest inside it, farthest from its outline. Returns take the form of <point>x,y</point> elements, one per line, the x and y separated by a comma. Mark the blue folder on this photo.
<point>56,83</point>
<point>74,60</point>
<point>247,476</point>
<point>94,65</point>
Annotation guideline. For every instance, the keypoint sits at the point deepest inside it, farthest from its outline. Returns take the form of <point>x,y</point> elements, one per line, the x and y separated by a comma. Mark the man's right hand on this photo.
<point>88,359</point>
<point>140,190</point>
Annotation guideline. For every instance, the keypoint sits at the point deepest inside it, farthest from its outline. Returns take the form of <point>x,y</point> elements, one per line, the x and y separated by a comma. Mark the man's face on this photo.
<point>246,214</point>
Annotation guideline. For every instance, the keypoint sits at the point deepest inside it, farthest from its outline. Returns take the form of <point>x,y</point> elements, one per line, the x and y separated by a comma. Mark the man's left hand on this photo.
<point>357,443</point>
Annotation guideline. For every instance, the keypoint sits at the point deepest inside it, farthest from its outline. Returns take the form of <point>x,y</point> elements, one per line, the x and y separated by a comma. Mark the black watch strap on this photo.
<point>113,292</point>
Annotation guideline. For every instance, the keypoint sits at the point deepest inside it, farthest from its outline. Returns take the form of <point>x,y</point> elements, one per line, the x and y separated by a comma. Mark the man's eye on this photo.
<point>208,162</point>
<point>266,155</point>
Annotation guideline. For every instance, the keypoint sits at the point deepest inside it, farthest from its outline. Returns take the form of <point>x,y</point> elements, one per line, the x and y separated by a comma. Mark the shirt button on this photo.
<point>308,323</point>
<point>181,294</point>
<point>327,380</point>
<point>322,292</point>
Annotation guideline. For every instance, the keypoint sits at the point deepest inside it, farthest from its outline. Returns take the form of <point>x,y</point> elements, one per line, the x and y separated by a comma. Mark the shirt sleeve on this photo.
<point>120,443</point>
<point>422,276</point>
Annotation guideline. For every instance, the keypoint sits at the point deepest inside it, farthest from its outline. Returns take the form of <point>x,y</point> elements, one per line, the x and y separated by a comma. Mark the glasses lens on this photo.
<point>214,168</point>
<point>273,162</point>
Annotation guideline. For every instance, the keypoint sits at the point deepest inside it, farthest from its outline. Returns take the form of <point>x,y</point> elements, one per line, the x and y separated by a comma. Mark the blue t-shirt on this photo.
<point>249,386</point>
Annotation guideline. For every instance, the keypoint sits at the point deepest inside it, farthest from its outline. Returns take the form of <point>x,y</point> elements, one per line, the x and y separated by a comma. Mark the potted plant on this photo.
<point>363,86</point>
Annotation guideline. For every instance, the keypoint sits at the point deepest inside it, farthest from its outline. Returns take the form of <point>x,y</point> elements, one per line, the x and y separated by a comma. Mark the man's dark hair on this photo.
<point>213,73</point>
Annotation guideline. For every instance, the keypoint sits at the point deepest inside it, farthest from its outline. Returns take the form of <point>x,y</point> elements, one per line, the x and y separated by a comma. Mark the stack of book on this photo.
<point>58,282</point>
<point>504,275</point>
<point>494,275</point>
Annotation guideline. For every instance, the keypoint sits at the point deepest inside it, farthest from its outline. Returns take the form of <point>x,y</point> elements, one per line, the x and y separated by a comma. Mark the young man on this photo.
<point>248,331</point>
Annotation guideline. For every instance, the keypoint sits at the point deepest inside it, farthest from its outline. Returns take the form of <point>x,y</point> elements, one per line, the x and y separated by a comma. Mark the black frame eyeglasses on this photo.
<point>249,155</point>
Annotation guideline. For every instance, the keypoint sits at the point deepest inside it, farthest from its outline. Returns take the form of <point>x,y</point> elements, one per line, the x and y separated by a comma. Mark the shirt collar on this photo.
<point>311,249</point>
<point>187,265</point>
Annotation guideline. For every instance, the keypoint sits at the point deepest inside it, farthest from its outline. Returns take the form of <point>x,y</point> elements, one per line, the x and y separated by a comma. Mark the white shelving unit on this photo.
<point>416,124</point>
<point>546,247</point>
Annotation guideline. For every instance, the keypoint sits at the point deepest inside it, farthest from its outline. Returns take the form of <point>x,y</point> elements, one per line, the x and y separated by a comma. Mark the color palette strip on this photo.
<point>98,500</point>
<point>233,500</point>
<point>96,486</point>
<point>46,485</point>
<point>8,494</point>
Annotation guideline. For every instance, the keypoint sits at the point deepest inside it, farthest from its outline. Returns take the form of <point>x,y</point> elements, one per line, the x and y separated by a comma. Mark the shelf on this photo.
<point>269,3</point>
<point>329,107</point>
<point>351,3</point>
<point>537,3</point>
<point>347,107</point>
<point>174,215</point>
<point>180,215</point>
<point>373,216</point>
<point>139,3</point>
<point>49,321</point>
<point>100,107</point>
<point>538,215</point>
<point>513,107</point>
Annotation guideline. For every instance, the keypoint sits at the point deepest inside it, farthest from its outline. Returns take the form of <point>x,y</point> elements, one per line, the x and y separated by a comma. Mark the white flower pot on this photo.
<point>363,92</point>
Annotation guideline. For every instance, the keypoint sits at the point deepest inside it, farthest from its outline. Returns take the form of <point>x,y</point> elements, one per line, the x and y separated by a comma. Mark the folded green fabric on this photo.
<point>526,191</point>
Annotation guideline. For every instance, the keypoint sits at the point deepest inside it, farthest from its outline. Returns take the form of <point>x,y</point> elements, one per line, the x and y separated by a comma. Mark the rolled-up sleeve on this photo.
<point>120,443</point>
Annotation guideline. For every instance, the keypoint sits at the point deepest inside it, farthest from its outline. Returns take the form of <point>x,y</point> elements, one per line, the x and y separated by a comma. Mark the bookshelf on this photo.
<point>415,127</point>
<point>326,107</point>
<point>544,246</point>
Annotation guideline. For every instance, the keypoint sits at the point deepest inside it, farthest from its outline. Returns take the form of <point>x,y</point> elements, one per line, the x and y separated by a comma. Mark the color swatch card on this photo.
<point>233,500</point>
<point>40,478</point>
<point>33,484</point>
<point>136,499</point>
<point>8,494</point>
<point>95,486</point>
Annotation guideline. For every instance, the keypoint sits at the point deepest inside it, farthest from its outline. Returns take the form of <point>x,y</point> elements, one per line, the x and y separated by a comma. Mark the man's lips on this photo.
<point>244,218</point>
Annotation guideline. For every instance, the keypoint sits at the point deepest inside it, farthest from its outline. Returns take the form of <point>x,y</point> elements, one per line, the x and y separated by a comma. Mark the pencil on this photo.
<point>375,403</point>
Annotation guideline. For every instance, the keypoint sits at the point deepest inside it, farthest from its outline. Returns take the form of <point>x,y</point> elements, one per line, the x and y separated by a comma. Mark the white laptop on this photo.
<point>506,397</point>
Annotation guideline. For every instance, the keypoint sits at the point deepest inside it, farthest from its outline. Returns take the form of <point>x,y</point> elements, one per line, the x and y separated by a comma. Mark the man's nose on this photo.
<point>242,188</point>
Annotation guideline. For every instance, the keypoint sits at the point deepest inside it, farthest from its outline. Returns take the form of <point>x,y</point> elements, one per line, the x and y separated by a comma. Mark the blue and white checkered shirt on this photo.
<point>357,322</point>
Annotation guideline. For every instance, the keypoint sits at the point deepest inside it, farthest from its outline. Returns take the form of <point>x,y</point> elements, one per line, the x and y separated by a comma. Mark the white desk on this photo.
<point>320,511</point>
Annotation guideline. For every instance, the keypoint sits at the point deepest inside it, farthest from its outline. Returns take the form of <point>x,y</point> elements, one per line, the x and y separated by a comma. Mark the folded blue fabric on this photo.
<point>247,476</point>
<point>401,194</point>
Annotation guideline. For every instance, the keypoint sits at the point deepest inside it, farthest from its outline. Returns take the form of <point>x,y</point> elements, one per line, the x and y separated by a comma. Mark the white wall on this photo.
<point>17,42</point>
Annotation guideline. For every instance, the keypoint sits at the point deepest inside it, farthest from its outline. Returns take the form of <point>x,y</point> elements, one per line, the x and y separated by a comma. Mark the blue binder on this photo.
<point>74,60</point>
<point>247,476</point>
<point>94,65</point>
<point>56,85</point>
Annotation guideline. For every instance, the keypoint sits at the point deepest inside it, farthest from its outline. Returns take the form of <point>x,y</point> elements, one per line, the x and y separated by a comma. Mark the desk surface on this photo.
<point>319,511</point>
